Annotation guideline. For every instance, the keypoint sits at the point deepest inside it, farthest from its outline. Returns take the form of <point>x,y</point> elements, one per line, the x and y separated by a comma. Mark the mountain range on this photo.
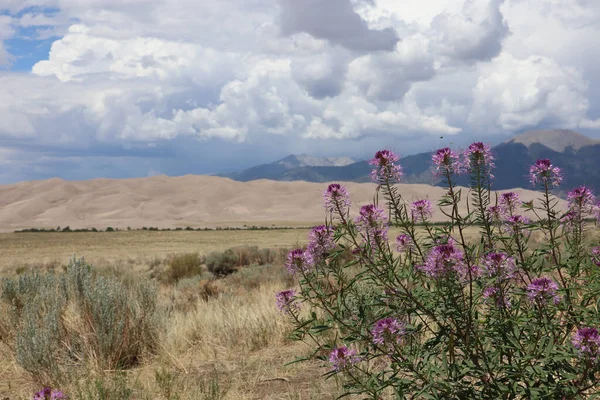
<point>577,155</point>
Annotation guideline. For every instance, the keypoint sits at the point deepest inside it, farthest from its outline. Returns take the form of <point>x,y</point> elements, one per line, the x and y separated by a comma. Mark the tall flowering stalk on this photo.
<point>509,204</point>
<point>337,200</point>
<point>285,301</point>
<point>581,205</point>
<point>321,243</point>
<point>421,210</point>
<point>372,224</point>
<point>386,170</point>
<point>439,313</point>
<point>479,162</point>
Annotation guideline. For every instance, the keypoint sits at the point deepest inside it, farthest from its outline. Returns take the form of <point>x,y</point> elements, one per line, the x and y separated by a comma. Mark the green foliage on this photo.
<point>460,331</point>
<point>222,263</point>
<point>79,318</point>
<point>209,386</point>
<point>111,387</point>
<point>183,266</point>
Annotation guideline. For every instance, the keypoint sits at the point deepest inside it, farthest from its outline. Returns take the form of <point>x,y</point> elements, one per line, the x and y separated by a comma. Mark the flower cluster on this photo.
<point>421,210</point>
<point>479,154</point>
<point>499,266</point>
<point>285,301</point>
<point>403,243</point>
<point>297,261</point>
<point>372,223</point>
<point>581,200</point>
<point>320,243</point>
<point>444,260</point>
<point>388,331</point>
<point>495,293</point>
<point>385,170</point>
<point>517,225</point>
<point>495,214</point>
<point>447,161</point>
<point>509,202</point>
<point>336,199</point>
<point>543,171</point>
<point>596,256</point>
<point>587,342</point>
<point>49,394</point>
<point>542,290</point>
<point>342,357</point>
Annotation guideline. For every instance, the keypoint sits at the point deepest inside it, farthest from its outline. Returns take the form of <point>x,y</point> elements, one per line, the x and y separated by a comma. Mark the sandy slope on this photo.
<point>169,202</point>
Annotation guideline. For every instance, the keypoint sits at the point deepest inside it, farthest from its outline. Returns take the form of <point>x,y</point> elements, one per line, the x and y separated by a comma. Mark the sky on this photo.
<point>133,88</point>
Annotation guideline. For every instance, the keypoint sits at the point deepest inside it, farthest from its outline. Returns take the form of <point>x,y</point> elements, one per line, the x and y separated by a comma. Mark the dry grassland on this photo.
<point>130,247</point>
<point>232,345</point>
<point>224,338</point>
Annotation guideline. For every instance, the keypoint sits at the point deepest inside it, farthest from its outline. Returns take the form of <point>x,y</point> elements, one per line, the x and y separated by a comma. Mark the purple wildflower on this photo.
<point>285,301</point>
<point>421,210</point>
<point>479,154</point>
<point>320,244</point>
<point>342,357</point>
<point>372,222</point>
<point>543,171</point>
<point>496,294</point>
<point>297,261</point>
<point>446,161</point>
<point>581,200</point>
<point>587,341</point>
<point>597,212</point>
<point>336,198</point>
<point>387,330</point>
<point>443,260</point>
<point>385,170</point>
<point>516,224</point>
<point>499,265</point>
<point>596,255</point>
<point>403,243</point>
<point>543,289</point>
<point>509,202</point>
<point>495,213</point>
<point>49,394</point>
<point>570,219</point>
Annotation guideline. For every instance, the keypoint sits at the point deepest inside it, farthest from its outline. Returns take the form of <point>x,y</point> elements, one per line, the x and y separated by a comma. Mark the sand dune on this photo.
<point>191,200</point>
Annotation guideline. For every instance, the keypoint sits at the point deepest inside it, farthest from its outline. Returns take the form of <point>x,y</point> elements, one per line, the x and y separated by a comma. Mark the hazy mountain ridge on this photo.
<point>577,154</point>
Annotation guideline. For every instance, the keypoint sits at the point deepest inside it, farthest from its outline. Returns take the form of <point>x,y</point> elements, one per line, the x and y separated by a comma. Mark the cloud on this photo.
<point>239,82</point>
<point>513,94</point>
<point>6,32</point>
<point>474,34</point>
<point>389,76</point>
<point>335,21</point>
<point>322,75</point>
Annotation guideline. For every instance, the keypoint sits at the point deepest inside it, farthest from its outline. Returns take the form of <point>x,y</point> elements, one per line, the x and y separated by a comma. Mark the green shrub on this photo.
<point>222,264</point>
<point>436,314</point>
<point>62,321</point>
<point>108,387</point>
<point>183,266</point>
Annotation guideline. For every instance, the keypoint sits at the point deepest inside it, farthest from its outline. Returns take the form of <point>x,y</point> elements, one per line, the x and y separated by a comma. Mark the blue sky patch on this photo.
<point>25,46</point>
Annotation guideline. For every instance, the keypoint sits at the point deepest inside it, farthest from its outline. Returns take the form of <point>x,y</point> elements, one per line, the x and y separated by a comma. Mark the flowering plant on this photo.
<point>471,309</point>
<point>49,394</point>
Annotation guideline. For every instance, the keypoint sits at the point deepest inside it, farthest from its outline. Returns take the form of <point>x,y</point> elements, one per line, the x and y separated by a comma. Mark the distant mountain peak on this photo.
<point>555,139</point>
<point>305,160</point>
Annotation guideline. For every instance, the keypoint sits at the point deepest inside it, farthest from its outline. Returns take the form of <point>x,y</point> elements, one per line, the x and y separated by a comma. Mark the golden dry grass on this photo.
<point>136,247</point>
<point>236,341</point>
<point>130,247</point>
